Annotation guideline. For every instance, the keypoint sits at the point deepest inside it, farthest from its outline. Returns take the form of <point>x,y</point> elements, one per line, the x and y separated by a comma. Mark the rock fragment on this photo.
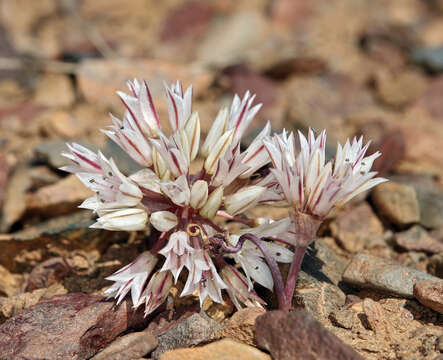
<point>369,271</point>
<point>128,347</point>
<point>220,350</point>
<point>397,202</point>
<point>297,335</point>
<point>430,294</point>
<point>72,326</point>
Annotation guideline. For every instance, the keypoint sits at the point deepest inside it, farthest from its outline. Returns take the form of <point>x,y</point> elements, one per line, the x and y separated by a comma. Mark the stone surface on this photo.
<point>397,202</point>
<point>418,239</point>
<point>435,265</point>
<point>355,228</point>
<point>430,200</point>
<point>399,88</point>
<point>14,204</point>
<point>54,90</point>
<point>327,101</point>
<point>9,283</point>
<point>13,305</point>
<point>369,271</point>
<point>128,347</point>
<point>225,349</point>
<point>240,326</point>
<point>317,295</point>
<point>72,326</point>
<point>430,294</point>
<point>57,199</point>
<point>191,331</point>
<point>297,335</point>
<point>375,316</point>
<point>233,40</point>
<point>47,273</point>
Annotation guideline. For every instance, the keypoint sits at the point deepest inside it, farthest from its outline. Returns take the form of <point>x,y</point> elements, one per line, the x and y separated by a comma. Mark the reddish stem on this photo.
<point>294,270</point>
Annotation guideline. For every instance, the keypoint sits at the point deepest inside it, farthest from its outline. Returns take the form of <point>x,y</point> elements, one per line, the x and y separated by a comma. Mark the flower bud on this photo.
<point>159,164</point>
<point>243,199</point>
<point>216,131</point>
<point>163,220</point>
<point>217,151</point>
<point>199,194</point>
<point>148,179</point>
<point>156,291</point>
<point>213,204</point>
<point>192,129</point>
<point>128,219</point>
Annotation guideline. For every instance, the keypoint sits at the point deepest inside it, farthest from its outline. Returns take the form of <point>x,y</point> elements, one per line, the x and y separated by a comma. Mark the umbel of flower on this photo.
<point>181,205</point>
<point>313,187</point>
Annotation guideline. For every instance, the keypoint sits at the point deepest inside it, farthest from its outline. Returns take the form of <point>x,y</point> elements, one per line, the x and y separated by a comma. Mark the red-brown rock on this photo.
<point>430,294</point>
<point>297,335</point>
<point>72,326</point>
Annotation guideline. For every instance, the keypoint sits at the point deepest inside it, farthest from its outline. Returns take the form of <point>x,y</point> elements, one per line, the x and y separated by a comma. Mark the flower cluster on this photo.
<point>182,206</point>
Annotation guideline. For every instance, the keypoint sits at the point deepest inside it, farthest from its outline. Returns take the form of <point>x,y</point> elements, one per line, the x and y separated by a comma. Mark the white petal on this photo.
<point>163,220</point>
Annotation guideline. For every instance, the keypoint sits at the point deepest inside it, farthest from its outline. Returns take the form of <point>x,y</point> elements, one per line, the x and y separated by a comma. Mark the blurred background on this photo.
<point>352,67</point>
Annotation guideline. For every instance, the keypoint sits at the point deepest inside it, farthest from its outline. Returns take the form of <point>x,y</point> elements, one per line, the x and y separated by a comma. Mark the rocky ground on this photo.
<point>371,284</point>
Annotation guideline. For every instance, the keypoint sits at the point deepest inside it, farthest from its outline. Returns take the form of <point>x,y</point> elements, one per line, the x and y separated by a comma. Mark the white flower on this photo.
<point>180,205</point>
<point>156,291</point>
<point>132,278</point>
<point>243,199</point>
<point>203,278</point>
<point>213,204</point>
<point>178,253</point>
<point>238,289</point>
<point>309,184</point>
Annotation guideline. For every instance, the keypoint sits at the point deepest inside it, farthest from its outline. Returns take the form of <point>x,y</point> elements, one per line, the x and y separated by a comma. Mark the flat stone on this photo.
<point>297,335</point>
<point>191,331</point>
<point>225,349</point>
<point>399,88</point>
<point>418,239</point>
<point>54,90</point>
<point>369,271</point>
<point>57,199</point>
<point>240,326</point>
<point>72,326</point>
<point>128,347</point>
<point>430,200</point>
<point>47,273</point>
<point>397,202</point>
<point>355,228</point>
<point>430,294</point>
<point>14,204</point>
<point>13,305</point>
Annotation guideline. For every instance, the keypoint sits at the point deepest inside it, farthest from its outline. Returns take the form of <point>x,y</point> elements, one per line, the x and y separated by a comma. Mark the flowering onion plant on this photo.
<point>182,206</point>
